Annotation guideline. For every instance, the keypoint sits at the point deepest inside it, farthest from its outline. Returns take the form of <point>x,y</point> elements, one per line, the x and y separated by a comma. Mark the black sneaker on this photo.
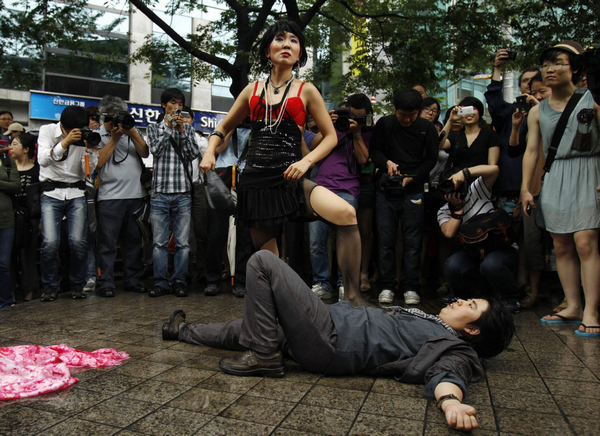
<point>77,294</point>
<point>49,295</point>
<point>180,290</point>
<point>106,292</point>
<point>513,305</point>
<point>211,290</point>
<point>239,291</point>
<point>136,289</point>
<point>158,292</point>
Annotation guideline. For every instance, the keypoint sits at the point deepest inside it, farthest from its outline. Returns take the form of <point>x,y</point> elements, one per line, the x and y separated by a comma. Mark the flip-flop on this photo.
<point>586,334</point>
<point>562,320</point>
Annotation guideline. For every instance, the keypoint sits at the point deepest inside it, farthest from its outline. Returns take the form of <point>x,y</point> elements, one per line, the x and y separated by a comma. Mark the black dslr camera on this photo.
<point>446,187</point>
<point>511,55</point>
<point>392,186</point>
<point>342,124</point>
<point>87,134</point>
<point>123,118</point>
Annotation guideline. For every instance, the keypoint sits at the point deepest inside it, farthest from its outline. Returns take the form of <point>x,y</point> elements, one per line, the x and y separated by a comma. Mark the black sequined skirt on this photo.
<point>267,199</point>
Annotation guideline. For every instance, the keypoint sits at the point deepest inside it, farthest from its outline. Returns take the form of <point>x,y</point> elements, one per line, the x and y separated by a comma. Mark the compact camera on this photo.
<point>342,124</point>
<point>175,112</point>
<point>87,134</point>
<point>522,104</point>
<point>466,110</point>
<point>511,55</point>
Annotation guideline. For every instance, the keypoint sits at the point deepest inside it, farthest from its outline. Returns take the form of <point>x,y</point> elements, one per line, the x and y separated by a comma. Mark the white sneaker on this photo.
<point>90,286</point>
<point>411,297</point>
<point>321,292</point>
<point>386,296</point>
<point>341,292</point>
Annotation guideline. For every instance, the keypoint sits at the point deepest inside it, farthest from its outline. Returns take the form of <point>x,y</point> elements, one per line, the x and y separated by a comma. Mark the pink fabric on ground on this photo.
<point>29,370</point>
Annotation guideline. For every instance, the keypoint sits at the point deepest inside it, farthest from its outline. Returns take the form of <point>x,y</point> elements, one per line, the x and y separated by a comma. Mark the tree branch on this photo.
<point>354,12</point>
<point>203,56</point>
<point>310,14</point>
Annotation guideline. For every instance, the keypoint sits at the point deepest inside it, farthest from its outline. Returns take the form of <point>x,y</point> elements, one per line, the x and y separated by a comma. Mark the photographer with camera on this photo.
<point>174,147</point>
<point>340,173</point>
<point>120,194</point>
<point>404,147</point>
<point>67,151</point>
<point>465,202</point>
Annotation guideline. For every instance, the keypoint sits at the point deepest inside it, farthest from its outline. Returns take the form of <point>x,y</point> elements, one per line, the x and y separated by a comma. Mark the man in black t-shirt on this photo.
<point>403,145</point>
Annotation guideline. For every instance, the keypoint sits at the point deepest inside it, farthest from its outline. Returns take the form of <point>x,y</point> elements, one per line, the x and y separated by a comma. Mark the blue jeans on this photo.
<point>6,242</point>
<point>411,214</point>
<point>52,213</point>
<point>176,208</point>
<point>319,259</point>
<point>496,269</point>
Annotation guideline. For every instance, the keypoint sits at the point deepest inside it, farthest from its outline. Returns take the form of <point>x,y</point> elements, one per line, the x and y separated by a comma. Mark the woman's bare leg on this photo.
<point>586,243</point>
<point>567,265</point>
<point>339,212</point>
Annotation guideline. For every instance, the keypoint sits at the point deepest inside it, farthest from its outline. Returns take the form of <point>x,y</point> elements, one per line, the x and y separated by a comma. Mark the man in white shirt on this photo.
<point>64,157</point>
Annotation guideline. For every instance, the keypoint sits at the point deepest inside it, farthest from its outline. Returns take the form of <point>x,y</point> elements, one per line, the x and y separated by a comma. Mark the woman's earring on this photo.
<point>269,64</point>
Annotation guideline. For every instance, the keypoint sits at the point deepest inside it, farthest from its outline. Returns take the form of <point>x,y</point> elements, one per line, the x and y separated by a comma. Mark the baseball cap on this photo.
<point>15,127</point>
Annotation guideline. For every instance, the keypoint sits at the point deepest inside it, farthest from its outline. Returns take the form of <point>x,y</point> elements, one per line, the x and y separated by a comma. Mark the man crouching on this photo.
<point>283,317</point>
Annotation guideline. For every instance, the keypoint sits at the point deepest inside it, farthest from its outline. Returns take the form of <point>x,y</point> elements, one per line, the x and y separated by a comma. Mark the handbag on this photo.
<point>485,233</point>
<point>218,194</point>
<point>34,200</point>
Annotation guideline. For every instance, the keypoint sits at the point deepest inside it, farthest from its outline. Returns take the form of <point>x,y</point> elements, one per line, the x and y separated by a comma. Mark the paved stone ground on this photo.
<point>546,383</point>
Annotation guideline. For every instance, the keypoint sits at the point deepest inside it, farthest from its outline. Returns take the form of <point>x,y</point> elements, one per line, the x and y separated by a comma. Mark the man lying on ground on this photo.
<point>282,317</point>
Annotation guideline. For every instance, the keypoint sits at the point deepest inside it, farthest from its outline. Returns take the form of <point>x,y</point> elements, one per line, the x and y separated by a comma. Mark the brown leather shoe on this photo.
<point>248,364</point>
<point>170,330</point>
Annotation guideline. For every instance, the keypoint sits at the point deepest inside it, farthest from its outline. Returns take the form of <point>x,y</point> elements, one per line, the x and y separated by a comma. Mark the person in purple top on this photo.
<point>340,173</point>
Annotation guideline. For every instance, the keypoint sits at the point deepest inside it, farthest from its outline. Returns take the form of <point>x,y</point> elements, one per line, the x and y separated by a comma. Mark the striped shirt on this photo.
<point>169,175</point>
<point>479,200</point>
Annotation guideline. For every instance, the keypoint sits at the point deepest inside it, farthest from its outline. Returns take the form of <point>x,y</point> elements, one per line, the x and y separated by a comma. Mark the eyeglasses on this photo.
<point>555,67</point>
<point>431,111</point>
<point>6,119</point>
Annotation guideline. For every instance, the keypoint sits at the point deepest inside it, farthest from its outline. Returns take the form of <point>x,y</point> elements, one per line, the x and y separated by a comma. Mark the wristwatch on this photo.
<point>443,398</point>
<point>357,136</point>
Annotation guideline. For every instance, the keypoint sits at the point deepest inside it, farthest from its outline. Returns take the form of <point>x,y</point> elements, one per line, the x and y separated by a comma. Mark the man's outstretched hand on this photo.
<point>461,416</point>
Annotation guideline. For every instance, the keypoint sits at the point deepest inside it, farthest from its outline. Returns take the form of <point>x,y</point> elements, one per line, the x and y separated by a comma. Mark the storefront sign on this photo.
<point>48,106</point>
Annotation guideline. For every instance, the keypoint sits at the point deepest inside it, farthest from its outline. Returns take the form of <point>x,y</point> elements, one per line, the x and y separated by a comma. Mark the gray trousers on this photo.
<point>280,313</point>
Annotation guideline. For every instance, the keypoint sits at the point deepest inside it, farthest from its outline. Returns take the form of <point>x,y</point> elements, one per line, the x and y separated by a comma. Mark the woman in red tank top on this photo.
<point>272,188</point>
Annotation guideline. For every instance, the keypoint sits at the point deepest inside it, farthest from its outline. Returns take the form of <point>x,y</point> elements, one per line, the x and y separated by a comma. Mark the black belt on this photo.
<point>50,185</point>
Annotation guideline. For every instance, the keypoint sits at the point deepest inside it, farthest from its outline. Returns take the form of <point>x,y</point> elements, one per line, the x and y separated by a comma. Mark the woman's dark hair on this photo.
<point>428,101</point>
<point>360,101</point>
<point>477,104</point>
<point>92,112</point>
<point>280,28</point>
<point>171,94</point>
<point>28,141</point>
<point>408,100</point>
<point>537,78</point>
<point>574,61</point>
<point>497,328</point>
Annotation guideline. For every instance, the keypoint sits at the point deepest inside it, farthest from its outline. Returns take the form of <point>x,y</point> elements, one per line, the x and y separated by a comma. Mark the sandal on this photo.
<point>561,320</point>
<point>585,334</point>
<point>562,306</point>
<point>530,300</point>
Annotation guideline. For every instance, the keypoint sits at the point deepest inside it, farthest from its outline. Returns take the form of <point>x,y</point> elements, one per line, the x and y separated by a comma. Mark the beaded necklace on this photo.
<point>269,107</point>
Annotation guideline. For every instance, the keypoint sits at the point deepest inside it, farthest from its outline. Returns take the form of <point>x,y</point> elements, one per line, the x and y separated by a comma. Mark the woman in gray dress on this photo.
<point>568,198</point>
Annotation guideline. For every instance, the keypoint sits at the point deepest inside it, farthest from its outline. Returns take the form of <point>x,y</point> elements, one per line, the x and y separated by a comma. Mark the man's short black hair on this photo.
<point>574,61</point>
<point>528,70</point>
<point>497,328</point>
<point>360,101</point>
<point>189,109</point>
<point>7,112</point>
<point>74,117</point>
<point>171,94</point>
<point>279,28</point>
<point>408,100</point>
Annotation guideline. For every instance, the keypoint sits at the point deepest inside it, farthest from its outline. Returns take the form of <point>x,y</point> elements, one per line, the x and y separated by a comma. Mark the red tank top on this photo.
<point>294,109</point>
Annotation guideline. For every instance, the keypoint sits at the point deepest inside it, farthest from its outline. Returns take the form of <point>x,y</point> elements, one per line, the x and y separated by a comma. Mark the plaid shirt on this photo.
<point>169,174</point>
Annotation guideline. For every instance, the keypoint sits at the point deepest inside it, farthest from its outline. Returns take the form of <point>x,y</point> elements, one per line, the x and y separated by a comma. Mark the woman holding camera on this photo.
<point>476,144</point>
<point>568,198</point>
<point>273,189</point>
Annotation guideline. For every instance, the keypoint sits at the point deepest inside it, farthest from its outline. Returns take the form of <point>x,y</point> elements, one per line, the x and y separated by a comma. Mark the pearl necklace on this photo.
<point>269,108</point>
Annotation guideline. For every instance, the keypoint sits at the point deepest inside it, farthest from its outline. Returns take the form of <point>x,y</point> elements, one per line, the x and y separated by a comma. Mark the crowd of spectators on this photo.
<point>92,199</point>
